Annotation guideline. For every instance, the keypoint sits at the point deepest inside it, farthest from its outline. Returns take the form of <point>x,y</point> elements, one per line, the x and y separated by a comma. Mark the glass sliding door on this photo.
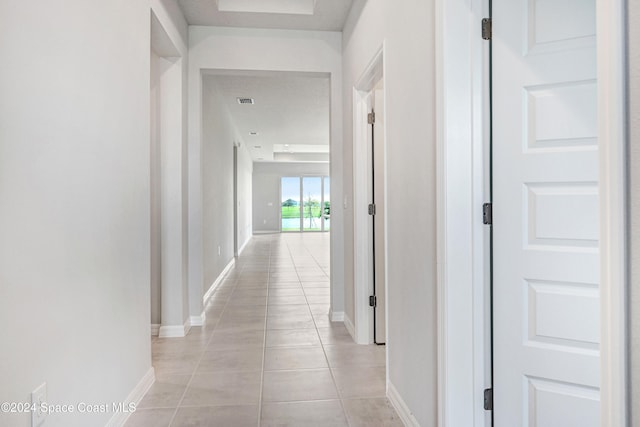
<point>290,203</point>
<point>305,203</point>
<point>312,203</point>
<point>326,205</point>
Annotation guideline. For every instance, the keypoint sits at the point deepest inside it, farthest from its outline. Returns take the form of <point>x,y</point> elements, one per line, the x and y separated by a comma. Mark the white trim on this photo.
<point>336,316</point>
<point>175,331</point>
<point>267,231</point>
<point>348,323</point>
<point>361,219</point>
<point>155,329</point>
<point>611,44</point>
<point>462,240</point>
<point>120,418</point>
<point>198,320</point>
<point>401,407</point>
<point>244,246</point>
<point>441,288</point>
<point>217,282</point>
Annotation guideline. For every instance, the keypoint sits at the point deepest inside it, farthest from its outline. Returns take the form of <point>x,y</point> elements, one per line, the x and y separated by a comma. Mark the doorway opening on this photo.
<point>167,201</point>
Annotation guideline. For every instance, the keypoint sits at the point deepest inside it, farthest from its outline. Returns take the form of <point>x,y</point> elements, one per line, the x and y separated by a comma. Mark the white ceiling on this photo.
<point>290,109</point>
<point>328,15</point>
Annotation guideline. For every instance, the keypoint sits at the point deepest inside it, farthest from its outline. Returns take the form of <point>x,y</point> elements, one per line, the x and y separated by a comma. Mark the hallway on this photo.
<point>268,354</point>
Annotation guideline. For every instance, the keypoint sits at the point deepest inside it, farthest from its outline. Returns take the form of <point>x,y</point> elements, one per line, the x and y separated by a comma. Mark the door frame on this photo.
<point>462,117</point>
<point>362,330</point>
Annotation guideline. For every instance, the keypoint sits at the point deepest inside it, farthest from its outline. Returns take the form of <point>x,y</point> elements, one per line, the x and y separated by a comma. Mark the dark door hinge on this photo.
<point>488,399</point>
<point>487,213</point>
<point>372,209</point>
<point>372,301</point>
<point>486,29</point>
<point>371,117</point>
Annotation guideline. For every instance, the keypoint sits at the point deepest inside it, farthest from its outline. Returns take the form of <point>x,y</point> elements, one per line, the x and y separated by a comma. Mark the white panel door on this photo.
<point>545,214</point>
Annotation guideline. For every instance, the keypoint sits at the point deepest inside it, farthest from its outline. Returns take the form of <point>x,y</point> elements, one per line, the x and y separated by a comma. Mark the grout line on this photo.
<point>195,369</point>
<point>264,342</point>
<point>277,248</point>
<point>333,378</point>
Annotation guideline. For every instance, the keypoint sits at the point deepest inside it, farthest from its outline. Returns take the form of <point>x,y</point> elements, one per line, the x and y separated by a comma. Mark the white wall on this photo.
<point>266,190</point>
<point>74,191</point>
<point>407,31</point>
<point>218,136</point>
<point>245,200</point>
<point>232,49</point>
<point>634,169</point>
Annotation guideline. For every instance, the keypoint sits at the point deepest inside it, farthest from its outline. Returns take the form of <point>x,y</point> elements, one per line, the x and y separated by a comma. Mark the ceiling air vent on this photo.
<point>246,101</point>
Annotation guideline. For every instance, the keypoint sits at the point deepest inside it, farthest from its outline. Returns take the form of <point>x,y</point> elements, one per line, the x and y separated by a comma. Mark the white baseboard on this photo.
<point>336,316</point>
<point>198,320</point>
<point>217,282</point>
<point>266,232</point>
<point>120,418</point>
<point>175,331</point>
<point>349,325</point>
<point>401,407</point>
<point>155,329</point>
<point>244,245</point>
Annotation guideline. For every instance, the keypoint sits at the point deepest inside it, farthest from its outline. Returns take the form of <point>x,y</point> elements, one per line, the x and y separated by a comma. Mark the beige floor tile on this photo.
<point>359,356</point>
<point>298,309</point>
<point>290,321</point>
<point>230,360</point>
<point>315,284</point>
<point>316,292</point>
<point>284,271</point>
<point>354,381</point>
<point>223,388</point>
<point>166,391</point>
<point>277,358</point>
<point>301,385</point>
<point>175,346</point>
<point>337,334</point>
<point>279,281</point>
<point>284,276</point>
<point>223,416</point>
<point>283,285</point>
<point>230,340</point>
<point>252,284</point>
<point>319,308</point>
<point>327,413</point>
<point>313,277</point>
<point>322,320</point>
<point>249,292</point>
<point>293,337</point>
<point>244,314</point>
<point>252,275</point>
<point>150,418</point>
<point>240,325</point>
<point>318,299</point>
<point>281,292</point>
<point>210,321</point>
<point>181,363</point>
<point>275,300</point>
<point>244,301</point>
<point>371,413</point>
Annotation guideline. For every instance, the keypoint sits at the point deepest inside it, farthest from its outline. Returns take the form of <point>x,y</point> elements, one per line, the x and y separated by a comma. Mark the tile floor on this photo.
<point>268,354</point>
